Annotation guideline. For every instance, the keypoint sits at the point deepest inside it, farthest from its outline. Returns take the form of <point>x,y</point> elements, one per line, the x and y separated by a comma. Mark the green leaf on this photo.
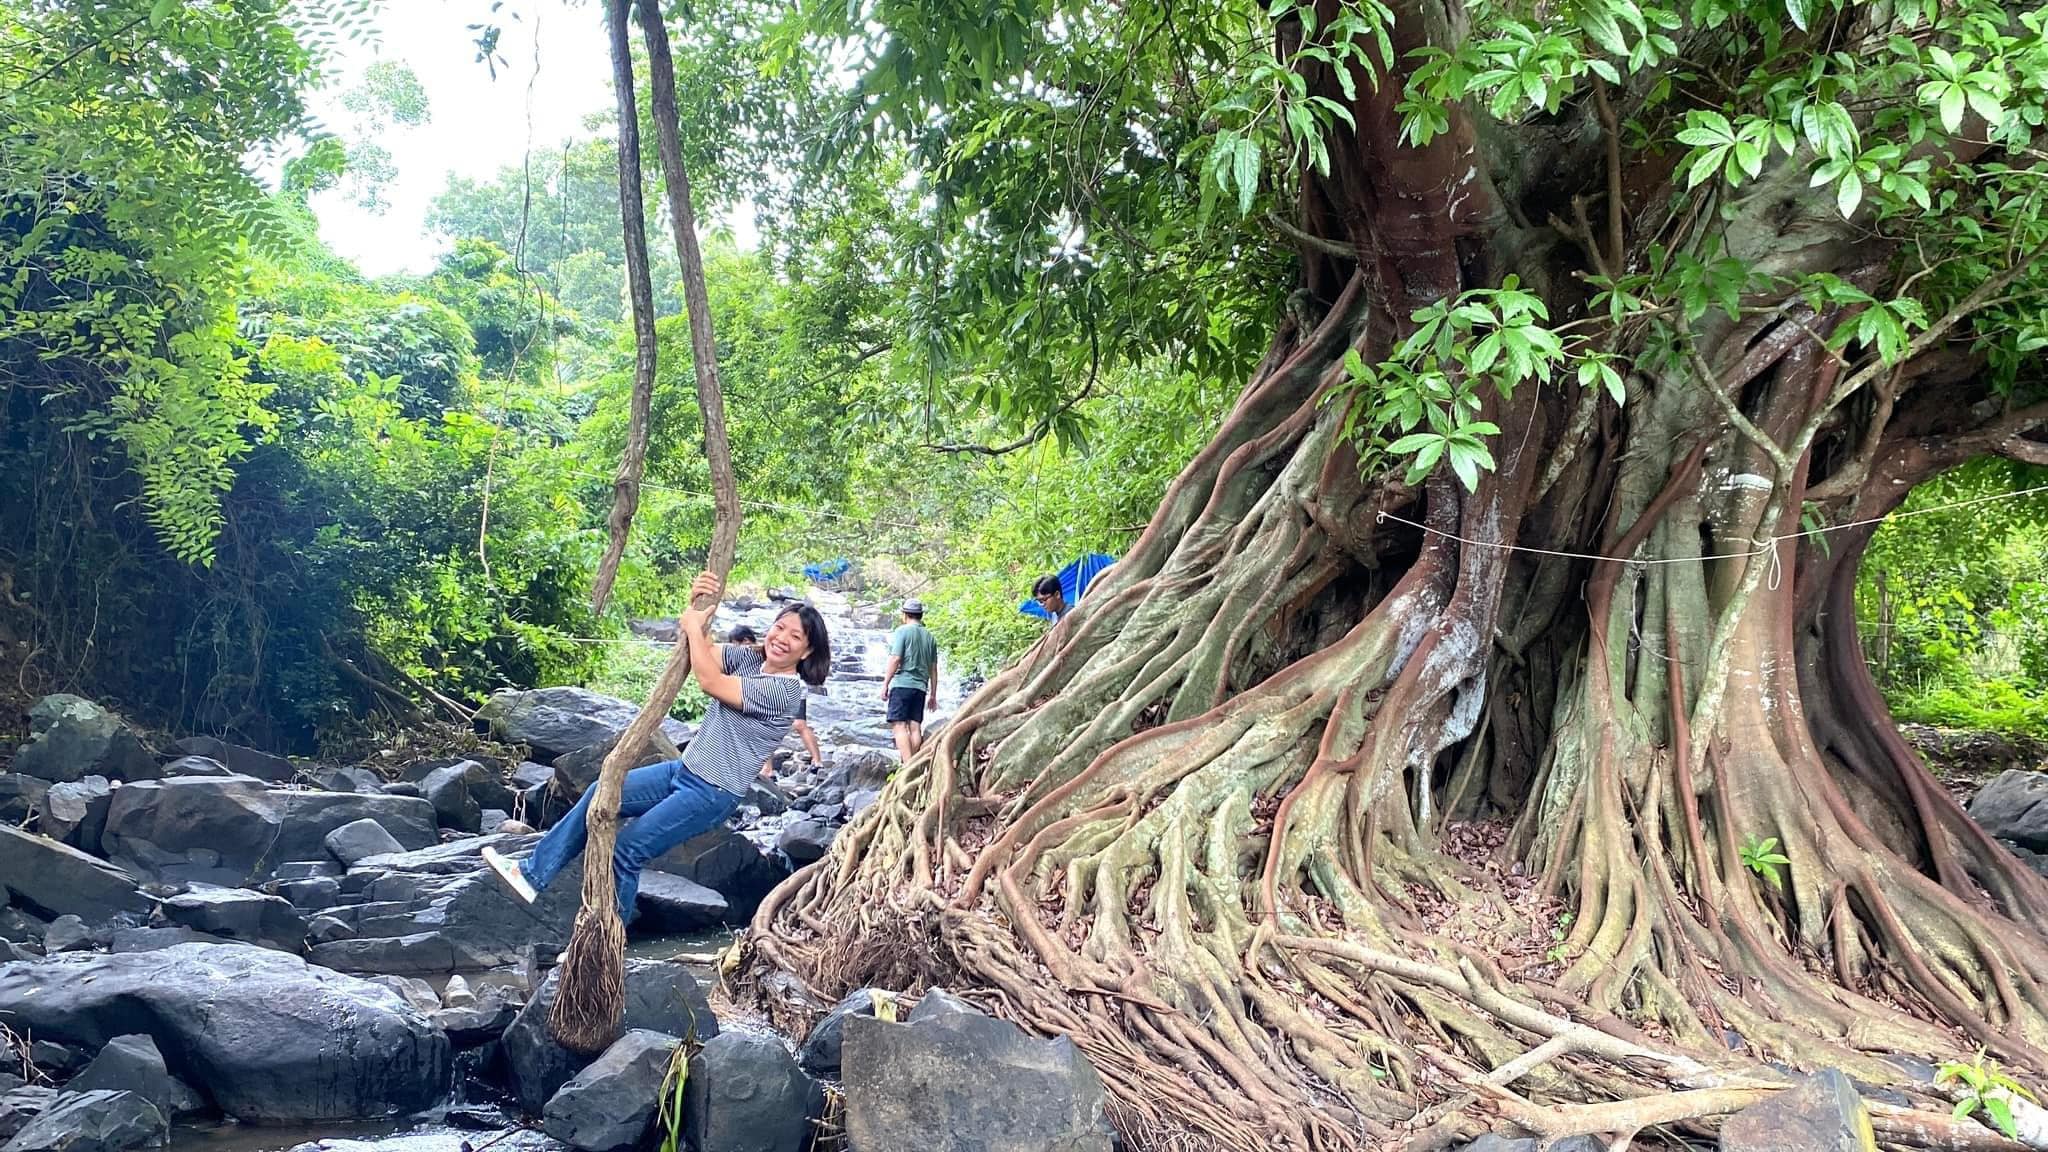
<point>1964,1107</point>
<point>1466,466</point>
<point>1799,13</point>
<point>1415,442</point>
<point>1246,170</point>
<point>1952,101</point>
<point>1849,194</point>
<point>2000,1111</point>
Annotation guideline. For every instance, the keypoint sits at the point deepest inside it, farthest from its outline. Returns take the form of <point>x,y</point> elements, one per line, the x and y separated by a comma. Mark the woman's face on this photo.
<point>785,643</point>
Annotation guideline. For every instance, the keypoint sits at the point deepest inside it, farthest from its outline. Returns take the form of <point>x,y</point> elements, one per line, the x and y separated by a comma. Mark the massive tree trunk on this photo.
<point>1337,790</point>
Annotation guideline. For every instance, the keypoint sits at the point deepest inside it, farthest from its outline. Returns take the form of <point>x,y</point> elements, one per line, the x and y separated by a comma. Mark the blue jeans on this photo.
<point>667,804</point>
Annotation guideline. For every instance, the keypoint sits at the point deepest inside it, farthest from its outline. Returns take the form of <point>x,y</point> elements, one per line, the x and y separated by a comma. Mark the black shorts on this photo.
<point>906,705</point>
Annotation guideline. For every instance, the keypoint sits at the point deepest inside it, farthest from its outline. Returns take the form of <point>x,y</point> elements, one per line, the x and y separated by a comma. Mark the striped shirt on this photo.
<point>732,742</point>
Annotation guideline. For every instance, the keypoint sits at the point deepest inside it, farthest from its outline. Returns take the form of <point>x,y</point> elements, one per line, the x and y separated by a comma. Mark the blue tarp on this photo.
<point>1074,581</point>
<point>827,572</point>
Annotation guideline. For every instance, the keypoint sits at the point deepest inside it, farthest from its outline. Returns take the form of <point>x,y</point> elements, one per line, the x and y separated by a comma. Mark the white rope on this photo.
<point>1770,544</point>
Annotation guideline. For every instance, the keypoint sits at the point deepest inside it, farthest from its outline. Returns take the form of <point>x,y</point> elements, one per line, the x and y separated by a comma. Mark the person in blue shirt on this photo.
<point>1053,596</point>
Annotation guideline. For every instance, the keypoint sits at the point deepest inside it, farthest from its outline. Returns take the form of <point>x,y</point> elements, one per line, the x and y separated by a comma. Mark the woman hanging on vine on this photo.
<point>755,693</point>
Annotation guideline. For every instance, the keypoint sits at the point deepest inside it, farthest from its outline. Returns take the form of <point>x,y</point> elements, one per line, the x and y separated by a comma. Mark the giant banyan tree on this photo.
<point>1409,775</point>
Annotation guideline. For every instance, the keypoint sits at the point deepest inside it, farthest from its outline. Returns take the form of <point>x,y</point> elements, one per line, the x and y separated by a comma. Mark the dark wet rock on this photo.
<point>447,789</point>
<point>197,766</point>
<point>820,1052</point>
<point>2014,808</point>
<point>1822,1113</point>
<point>75,813</point>
<point>829,813</point>
<point>8,1083</point>
<point>309,869</point>
<point>807,840</point>
<point>864,770</point>
<point>410,989</point>
<point>745,1094</point>
<point>312,895</point>
<point>213,830</point>
<point>56,1059</point>
<point>419,953</point>
<point>238,914</point>
<point>402,788</point>
<point>72,738</point>
<point>21,797</point>
<point>157,939</point>
<point>611,1103</point>
<point>56,878</point>
<point>328,929</point>
<point>348,780</point>
<point>556,721</point>
<point>270,1038</point>
<point>660,997</point>
<point>359,840</point>
<point>94,1122</point>
<point>19,1105</point>
<point>239,760</point>
<point>495,819</point>
<point>860,800</point>
<point>18,926</point>
<point>66,934</point>
<point>576,771</point>
<point>672,904</point>
<point>767,797</point>
<point>728,864</point>
<point>477,1024</point>
<point>532,774</point>
<point>939,1002</point>
<point>133,1064</point>
<point>11,952</point>
<point>310,816</point>
<point>961,1083</point>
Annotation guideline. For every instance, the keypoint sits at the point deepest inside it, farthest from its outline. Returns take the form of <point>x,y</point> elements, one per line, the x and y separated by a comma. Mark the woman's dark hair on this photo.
<point>741,634</point>
<point>817,663</point>
<point>1046,586</point>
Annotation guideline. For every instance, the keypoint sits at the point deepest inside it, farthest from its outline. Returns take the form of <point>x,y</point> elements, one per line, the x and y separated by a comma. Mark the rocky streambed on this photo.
<point>220,948</point>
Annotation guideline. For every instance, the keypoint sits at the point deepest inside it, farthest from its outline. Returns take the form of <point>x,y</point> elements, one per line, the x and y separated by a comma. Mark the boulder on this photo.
<point>447,789</point>
<point>308,870</point>
<point>660,997</point>
<point>75,813</point>
<point>239,914</point>
<point>2014,808</point>
<point>309,816</point>
<point>556,721</point>
<point>728,864</point>
<point>961,1083</point>
<point>157,939</point>
<point>577,771</point>
<point>105,1121</point>
<point>477,1024</point>
<point>415,954</point>
<point>269,1037</point>
<point>671,904</point>
<point>745,1094</point>
<point>215,830</point>
<point>820,1052</point>
<point>864,770</point>
<point>1823,1113</point>
<point>360,840</point>
<point>807,840</point>
<point>18,926</point>
<point>59,1060</point>
<point>939,1002</point>
<point>611,1103</point>
<point>239,760</point>
<point>348,780</point>
<point>197,766</point>
<point>56,878</point>
<point>72,738</point>
<point>66,934</point>
<point>316,894</point>
<point>766,797</point>
<point>532,774</point>
<point>412,990</point>
<point>19,1105</point>
<point>133,1064</point>
<point>22,797</point>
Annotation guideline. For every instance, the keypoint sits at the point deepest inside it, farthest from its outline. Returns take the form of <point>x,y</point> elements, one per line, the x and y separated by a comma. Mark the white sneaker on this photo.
<point>510,876</point>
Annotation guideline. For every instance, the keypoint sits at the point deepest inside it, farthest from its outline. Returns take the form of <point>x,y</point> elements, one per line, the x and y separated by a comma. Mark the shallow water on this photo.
<point>389,1136</point>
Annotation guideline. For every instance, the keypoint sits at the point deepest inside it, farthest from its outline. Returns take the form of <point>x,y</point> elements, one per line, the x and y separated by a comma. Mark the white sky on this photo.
<point>478,125</point>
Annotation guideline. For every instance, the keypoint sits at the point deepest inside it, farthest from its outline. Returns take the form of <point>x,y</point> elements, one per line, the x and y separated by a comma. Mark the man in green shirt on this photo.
<point>912,681</point>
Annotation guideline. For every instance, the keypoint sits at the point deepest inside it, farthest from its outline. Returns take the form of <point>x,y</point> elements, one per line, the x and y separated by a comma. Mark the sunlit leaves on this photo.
<point>1958,85</point>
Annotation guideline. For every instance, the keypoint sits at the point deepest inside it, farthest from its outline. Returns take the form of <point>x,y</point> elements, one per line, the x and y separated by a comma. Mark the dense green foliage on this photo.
<point>1005,291</point>
<point>1954,604</point>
